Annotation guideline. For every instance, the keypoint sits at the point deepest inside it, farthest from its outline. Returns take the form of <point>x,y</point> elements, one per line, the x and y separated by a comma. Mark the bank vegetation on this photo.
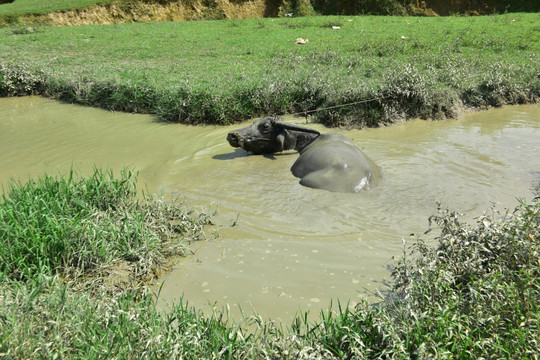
<point>86,12</point>
<point>76,253</point>
<point>345,70</point>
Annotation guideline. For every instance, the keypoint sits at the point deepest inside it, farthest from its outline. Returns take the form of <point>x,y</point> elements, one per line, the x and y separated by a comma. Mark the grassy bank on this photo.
<point>31,11</point>
<point>219,72</point>
<point>77,227</point>
<point>473,295</point>
<point>25,7</point>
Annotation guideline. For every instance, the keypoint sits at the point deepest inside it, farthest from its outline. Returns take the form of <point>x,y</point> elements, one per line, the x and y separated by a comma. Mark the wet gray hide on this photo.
<point>327,161</point>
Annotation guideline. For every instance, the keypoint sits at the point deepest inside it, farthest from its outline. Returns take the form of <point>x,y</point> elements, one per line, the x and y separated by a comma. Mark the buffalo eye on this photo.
<point>265,128</point>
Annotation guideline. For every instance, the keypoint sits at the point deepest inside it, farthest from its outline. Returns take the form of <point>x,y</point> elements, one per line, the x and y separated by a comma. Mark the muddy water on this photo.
<point>283,247</point>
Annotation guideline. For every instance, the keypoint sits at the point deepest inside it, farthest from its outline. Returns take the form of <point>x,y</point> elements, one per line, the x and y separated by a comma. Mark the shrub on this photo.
<point>19,80</point>
<point>477,292</point>
<point>303,8</point>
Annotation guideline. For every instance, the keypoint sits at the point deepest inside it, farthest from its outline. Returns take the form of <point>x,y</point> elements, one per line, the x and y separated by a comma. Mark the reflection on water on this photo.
<point>284,247</point>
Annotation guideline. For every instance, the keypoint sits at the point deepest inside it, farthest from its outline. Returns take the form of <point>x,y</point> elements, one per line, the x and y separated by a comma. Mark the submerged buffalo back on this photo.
<point>333,163</point>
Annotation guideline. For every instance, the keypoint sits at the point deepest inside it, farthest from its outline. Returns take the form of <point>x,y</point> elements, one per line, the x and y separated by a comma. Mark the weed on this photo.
<point>22,30</point>
<point>19,80</point>
<point>477,292</point>
<point>261,24</point>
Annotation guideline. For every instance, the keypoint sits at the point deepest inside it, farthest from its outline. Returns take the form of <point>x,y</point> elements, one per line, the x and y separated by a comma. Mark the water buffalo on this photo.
<point>327,161</point>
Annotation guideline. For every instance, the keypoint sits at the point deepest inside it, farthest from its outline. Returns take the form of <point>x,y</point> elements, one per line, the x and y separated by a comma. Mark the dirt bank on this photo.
<point>146,11</point>
<point>181,10</point>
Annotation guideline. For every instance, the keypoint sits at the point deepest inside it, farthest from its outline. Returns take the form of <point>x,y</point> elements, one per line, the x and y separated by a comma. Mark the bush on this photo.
<point>477,292</point>
<point>303,8</point>
<point>19,80</point>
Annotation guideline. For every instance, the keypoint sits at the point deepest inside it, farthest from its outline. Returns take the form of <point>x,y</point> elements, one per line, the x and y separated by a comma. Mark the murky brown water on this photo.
<point>291,247</point>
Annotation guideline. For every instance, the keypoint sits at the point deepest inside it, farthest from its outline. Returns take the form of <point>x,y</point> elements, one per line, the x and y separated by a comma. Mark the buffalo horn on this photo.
<point>287,126</point>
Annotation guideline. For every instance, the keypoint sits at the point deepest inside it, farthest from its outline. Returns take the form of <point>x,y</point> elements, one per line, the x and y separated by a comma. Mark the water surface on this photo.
<point>283,247</point>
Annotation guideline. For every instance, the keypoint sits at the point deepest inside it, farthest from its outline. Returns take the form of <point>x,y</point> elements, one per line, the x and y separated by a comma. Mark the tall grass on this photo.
<point>384,69</point>
<point>74,226</point>
<point>50,320</point>
<point>474,294</point>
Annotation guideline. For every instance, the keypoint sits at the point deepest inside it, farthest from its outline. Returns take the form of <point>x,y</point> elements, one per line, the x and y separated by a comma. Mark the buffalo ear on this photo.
<point>283,125</point>
<point>281,140</point>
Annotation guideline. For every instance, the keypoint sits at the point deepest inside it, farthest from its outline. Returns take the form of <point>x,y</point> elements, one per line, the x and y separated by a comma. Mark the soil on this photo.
<point>182,10</point>
<point>146,11</point>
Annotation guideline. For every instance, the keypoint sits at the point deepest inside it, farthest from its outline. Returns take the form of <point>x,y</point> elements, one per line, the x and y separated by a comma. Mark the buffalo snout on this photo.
<point>234,139</point>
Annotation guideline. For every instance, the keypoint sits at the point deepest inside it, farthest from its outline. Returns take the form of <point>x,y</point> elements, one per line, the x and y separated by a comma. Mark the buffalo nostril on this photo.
<point>232,136</point>
<point>234,139</point>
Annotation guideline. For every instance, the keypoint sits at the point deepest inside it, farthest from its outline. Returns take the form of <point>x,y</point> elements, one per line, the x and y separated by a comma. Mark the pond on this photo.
<point>280,247</point>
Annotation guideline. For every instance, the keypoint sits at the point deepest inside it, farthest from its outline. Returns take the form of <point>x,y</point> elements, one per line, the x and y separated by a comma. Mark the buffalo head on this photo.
<point>269,135</point>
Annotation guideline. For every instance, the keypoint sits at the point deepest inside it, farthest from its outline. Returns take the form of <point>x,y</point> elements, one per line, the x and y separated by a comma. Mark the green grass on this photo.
<point>73,227</point>
<point>24,7</point>
<point>226,71</point>
<point>473,295</point>
<point>50,320</point>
